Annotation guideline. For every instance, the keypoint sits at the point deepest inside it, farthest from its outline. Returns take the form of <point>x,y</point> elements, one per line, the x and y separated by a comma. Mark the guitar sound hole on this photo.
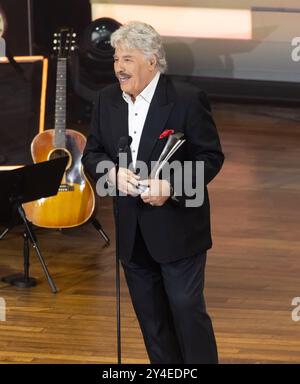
<point>58,153</point>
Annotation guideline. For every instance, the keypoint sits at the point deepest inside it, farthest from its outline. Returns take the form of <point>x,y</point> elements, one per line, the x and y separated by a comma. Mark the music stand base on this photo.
<point>20,281</point>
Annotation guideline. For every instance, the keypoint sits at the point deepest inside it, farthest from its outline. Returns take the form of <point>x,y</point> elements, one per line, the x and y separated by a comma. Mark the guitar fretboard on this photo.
<point>60,104</point>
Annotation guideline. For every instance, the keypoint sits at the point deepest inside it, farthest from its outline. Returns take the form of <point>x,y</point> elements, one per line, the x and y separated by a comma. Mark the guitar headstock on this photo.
<point>64,42</point>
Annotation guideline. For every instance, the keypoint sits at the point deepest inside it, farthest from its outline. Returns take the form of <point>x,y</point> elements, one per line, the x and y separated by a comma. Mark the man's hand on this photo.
<point>158,192</point>
<point>127,181</point>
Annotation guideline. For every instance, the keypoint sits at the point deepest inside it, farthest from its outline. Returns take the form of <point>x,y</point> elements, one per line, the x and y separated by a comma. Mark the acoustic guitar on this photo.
<point>75,202</point>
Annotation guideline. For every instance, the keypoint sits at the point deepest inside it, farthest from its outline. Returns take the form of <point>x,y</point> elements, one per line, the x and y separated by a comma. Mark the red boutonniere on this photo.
<point>166,133</point>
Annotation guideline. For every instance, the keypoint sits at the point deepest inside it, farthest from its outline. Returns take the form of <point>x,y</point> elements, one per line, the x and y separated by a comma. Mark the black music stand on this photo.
<point>22,185</point>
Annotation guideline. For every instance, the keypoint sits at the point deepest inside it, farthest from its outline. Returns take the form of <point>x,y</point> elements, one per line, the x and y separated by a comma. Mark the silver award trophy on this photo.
<point>173,143</point>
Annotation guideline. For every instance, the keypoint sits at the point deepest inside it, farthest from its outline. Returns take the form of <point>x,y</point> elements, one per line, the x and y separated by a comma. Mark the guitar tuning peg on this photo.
<point>55,41</point>
<point>55,34</point>
<point>54,48</point>
<point>74,34</point>
<point>72,48</point>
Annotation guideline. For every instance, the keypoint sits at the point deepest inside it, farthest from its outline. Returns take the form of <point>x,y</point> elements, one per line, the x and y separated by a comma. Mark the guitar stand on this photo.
<point>23,280</point>
<point>96,224</point>
<point>6,230</point>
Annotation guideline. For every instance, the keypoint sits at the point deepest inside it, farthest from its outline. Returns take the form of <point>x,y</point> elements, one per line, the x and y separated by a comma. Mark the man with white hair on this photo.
<point>162,241</point>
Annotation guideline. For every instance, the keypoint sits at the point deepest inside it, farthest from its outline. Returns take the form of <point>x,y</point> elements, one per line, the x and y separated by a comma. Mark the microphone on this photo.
<point>124,144</point>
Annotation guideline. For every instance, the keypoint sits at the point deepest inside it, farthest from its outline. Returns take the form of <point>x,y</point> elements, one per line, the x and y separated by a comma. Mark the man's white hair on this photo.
<point>143,37</point>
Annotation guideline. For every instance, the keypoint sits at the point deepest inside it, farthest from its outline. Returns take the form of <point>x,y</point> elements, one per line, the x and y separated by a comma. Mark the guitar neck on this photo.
<point>60,104</point>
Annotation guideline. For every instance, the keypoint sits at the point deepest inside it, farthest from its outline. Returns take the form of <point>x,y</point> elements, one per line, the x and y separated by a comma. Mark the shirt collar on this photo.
<point>148,92</point>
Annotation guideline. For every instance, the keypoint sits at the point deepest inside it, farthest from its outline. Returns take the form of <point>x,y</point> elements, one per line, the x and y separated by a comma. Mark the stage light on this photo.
<point>92,64</point>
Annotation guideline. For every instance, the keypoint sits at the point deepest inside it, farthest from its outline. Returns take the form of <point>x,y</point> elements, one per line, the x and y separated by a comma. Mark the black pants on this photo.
<point>169,304</point>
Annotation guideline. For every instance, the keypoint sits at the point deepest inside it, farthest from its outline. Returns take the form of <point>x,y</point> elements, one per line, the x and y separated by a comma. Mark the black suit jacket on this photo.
<point>173,231</point>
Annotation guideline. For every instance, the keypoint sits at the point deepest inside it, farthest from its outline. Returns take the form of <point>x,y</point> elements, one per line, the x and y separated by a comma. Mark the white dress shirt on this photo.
<point>137,113</point>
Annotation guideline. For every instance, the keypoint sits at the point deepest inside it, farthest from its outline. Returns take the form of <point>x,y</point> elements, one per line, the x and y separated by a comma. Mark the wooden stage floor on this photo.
<point>253,270</point>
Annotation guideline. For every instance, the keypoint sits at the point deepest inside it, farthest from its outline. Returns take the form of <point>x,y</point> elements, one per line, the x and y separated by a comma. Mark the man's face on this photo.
<point>133,70</point>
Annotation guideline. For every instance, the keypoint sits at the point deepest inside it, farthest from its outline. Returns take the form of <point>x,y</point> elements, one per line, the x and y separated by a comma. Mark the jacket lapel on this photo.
<point>157,117</point>
<point>119,123</point>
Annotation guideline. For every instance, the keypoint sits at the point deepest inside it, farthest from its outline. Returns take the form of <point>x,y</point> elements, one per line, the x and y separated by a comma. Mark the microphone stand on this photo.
<point>124,145</point>
<point>118,297</point>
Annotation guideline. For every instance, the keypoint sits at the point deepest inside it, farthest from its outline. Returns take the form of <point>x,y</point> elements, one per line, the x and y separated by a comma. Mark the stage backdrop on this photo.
<point>249,39</point>
<point>22,100</point>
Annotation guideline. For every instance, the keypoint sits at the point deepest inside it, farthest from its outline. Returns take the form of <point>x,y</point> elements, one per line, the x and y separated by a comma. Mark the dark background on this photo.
<point>19,113</point>
<point>47,16</point>
<point>20,85</point>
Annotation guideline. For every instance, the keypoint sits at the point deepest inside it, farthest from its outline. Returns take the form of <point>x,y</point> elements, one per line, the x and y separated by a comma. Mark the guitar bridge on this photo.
<point>65,188</point>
